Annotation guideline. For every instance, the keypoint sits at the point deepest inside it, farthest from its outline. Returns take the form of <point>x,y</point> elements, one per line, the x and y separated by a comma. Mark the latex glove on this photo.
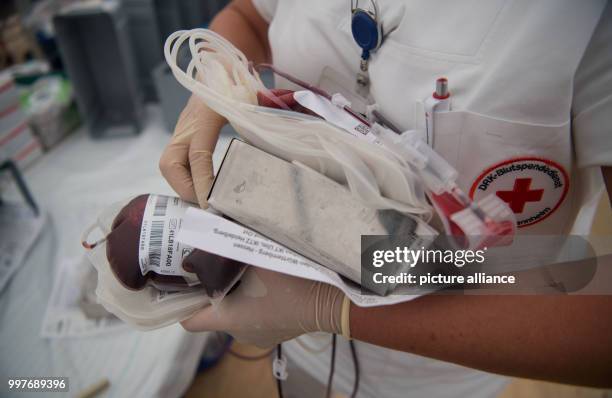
<point>187,160</point>
<point>269,307</point>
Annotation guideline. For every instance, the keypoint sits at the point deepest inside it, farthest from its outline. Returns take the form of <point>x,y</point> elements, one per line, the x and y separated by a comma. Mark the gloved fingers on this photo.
<point>187,124</point>
<point>197,118</point>
<point>200,162</point>
<point>251,285</point>
<point>174,166</point>
<point>204,126</point>
<point>269,307</point>
<point>196,130</point>
<point>240,310</point>
<point>207,319</point>
<point>174,162</point>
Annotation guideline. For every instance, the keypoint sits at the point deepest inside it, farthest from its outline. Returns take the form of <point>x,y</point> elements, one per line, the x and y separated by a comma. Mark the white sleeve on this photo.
<point>266,8</point>
<point>592,103</point>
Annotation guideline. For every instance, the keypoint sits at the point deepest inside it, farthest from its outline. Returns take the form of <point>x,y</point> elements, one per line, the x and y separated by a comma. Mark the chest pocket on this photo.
<point>526,165</point>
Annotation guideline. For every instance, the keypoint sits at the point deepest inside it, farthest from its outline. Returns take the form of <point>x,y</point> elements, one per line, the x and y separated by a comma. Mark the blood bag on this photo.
<point>222,77</point>
<point>145,276</point>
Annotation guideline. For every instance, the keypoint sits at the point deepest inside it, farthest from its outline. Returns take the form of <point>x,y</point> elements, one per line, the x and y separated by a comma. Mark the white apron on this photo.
<point>511,67</point>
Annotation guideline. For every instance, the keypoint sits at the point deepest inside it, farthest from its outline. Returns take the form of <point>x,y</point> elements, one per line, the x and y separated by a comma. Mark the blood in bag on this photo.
<point>282,99</point>
<point>215,273</point>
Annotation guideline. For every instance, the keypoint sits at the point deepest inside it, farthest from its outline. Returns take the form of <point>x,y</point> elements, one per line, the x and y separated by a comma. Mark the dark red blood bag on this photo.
<point>137,256</point>
<point>281,99</point>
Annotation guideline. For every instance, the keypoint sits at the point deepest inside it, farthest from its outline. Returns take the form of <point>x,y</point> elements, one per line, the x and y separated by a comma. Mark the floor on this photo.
<point>72,184</point>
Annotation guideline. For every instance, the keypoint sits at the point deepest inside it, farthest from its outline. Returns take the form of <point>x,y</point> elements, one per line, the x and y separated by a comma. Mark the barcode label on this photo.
<point>161,206</point>
<point>159,251</point>
<point>155,242</point>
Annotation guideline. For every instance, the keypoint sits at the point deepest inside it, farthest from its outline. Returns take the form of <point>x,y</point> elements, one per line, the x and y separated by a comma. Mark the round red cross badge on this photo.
<point>532,187</point>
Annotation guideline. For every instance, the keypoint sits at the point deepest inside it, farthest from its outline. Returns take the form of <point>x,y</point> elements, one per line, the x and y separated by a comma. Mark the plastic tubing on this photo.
<point>221,75</point>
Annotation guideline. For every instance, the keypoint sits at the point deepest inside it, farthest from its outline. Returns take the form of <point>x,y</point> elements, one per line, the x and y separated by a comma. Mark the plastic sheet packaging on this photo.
<point>308,212</point>
<point>146,277</point>
<point>221,76</point>
<point>383,170</point>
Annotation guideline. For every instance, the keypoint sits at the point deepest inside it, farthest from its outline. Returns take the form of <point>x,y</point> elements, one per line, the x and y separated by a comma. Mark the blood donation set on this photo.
<point>308,172</point>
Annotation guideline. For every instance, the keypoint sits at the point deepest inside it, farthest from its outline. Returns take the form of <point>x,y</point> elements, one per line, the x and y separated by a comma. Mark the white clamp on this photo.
<point>370,111</point>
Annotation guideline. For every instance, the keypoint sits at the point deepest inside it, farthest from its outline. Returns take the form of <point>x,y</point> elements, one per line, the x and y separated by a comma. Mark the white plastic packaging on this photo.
<point>221,76</point>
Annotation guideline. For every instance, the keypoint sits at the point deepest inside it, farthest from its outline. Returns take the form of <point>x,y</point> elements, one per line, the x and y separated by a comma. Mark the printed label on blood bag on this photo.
<point>335,115</point>
<point>159,250</point>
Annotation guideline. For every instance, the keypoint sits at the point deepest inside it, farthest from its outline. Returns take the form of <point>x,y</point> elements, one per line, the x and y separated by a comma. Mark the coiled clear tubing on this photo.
<point>220,75</point>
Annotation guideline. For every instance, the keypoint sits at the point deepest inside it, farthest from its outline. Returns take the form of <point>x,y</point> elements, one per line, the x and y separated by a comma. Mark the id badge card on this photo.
<point>333,82</point>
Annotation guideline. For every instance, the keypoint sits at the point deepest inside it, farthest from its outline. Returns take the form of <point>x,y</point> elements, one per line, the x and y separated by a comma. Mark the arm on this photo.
<point>240,23</point>
<point>558,338</point>
<point>566,339</point>
<point>555,338</point>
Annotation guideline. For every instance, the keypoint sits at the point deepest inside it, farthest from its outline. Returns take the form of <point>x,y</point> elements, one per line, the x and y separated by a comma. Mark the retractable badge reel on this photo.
<point>368,34</point>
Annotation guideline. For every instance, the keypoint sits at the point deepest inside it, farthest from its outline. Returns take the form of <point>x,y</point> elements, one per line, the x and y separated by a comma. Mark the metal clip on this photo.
<point>279,368</point>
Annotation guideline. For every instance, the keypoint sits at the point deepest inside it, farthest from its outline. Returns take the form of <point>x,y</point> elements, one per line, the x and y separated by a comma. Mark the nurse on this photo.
<point>531,85</point>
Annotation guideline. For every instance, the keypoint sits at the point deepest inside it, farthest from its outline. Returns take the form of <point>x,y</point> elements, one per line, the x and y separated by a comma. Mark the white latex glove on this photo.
<point>187,160</point>
<point>269,307</point>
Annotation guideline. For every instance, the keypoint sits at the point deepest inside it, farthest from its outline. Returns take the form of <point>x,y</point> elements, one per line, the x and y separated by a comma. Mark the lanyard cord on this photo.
<point>279,382</point>
<point>355,367</point>
<point>332,367</point>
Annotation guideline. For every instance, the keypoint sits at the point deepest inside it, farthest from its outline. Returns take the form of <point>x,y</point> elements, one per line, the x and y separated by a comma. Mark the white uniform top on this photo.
<point>531,85</point>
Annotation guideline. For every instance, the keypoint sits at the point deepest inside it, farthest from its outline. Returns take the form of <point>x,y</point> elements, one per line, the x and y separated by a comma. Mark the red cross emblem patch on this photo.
<point>532,187</point>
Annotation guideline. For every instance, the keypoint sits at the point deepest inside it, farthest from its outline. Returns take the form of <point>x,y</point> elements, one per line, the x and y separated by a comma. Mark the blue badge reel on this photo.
<point>366,29</point>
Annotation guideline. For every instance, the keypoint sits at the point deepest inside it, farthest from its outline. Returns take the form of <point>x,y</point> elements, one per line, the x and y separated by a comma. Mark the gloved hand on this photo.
<point>269,307</point>
<point>187,160</point>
